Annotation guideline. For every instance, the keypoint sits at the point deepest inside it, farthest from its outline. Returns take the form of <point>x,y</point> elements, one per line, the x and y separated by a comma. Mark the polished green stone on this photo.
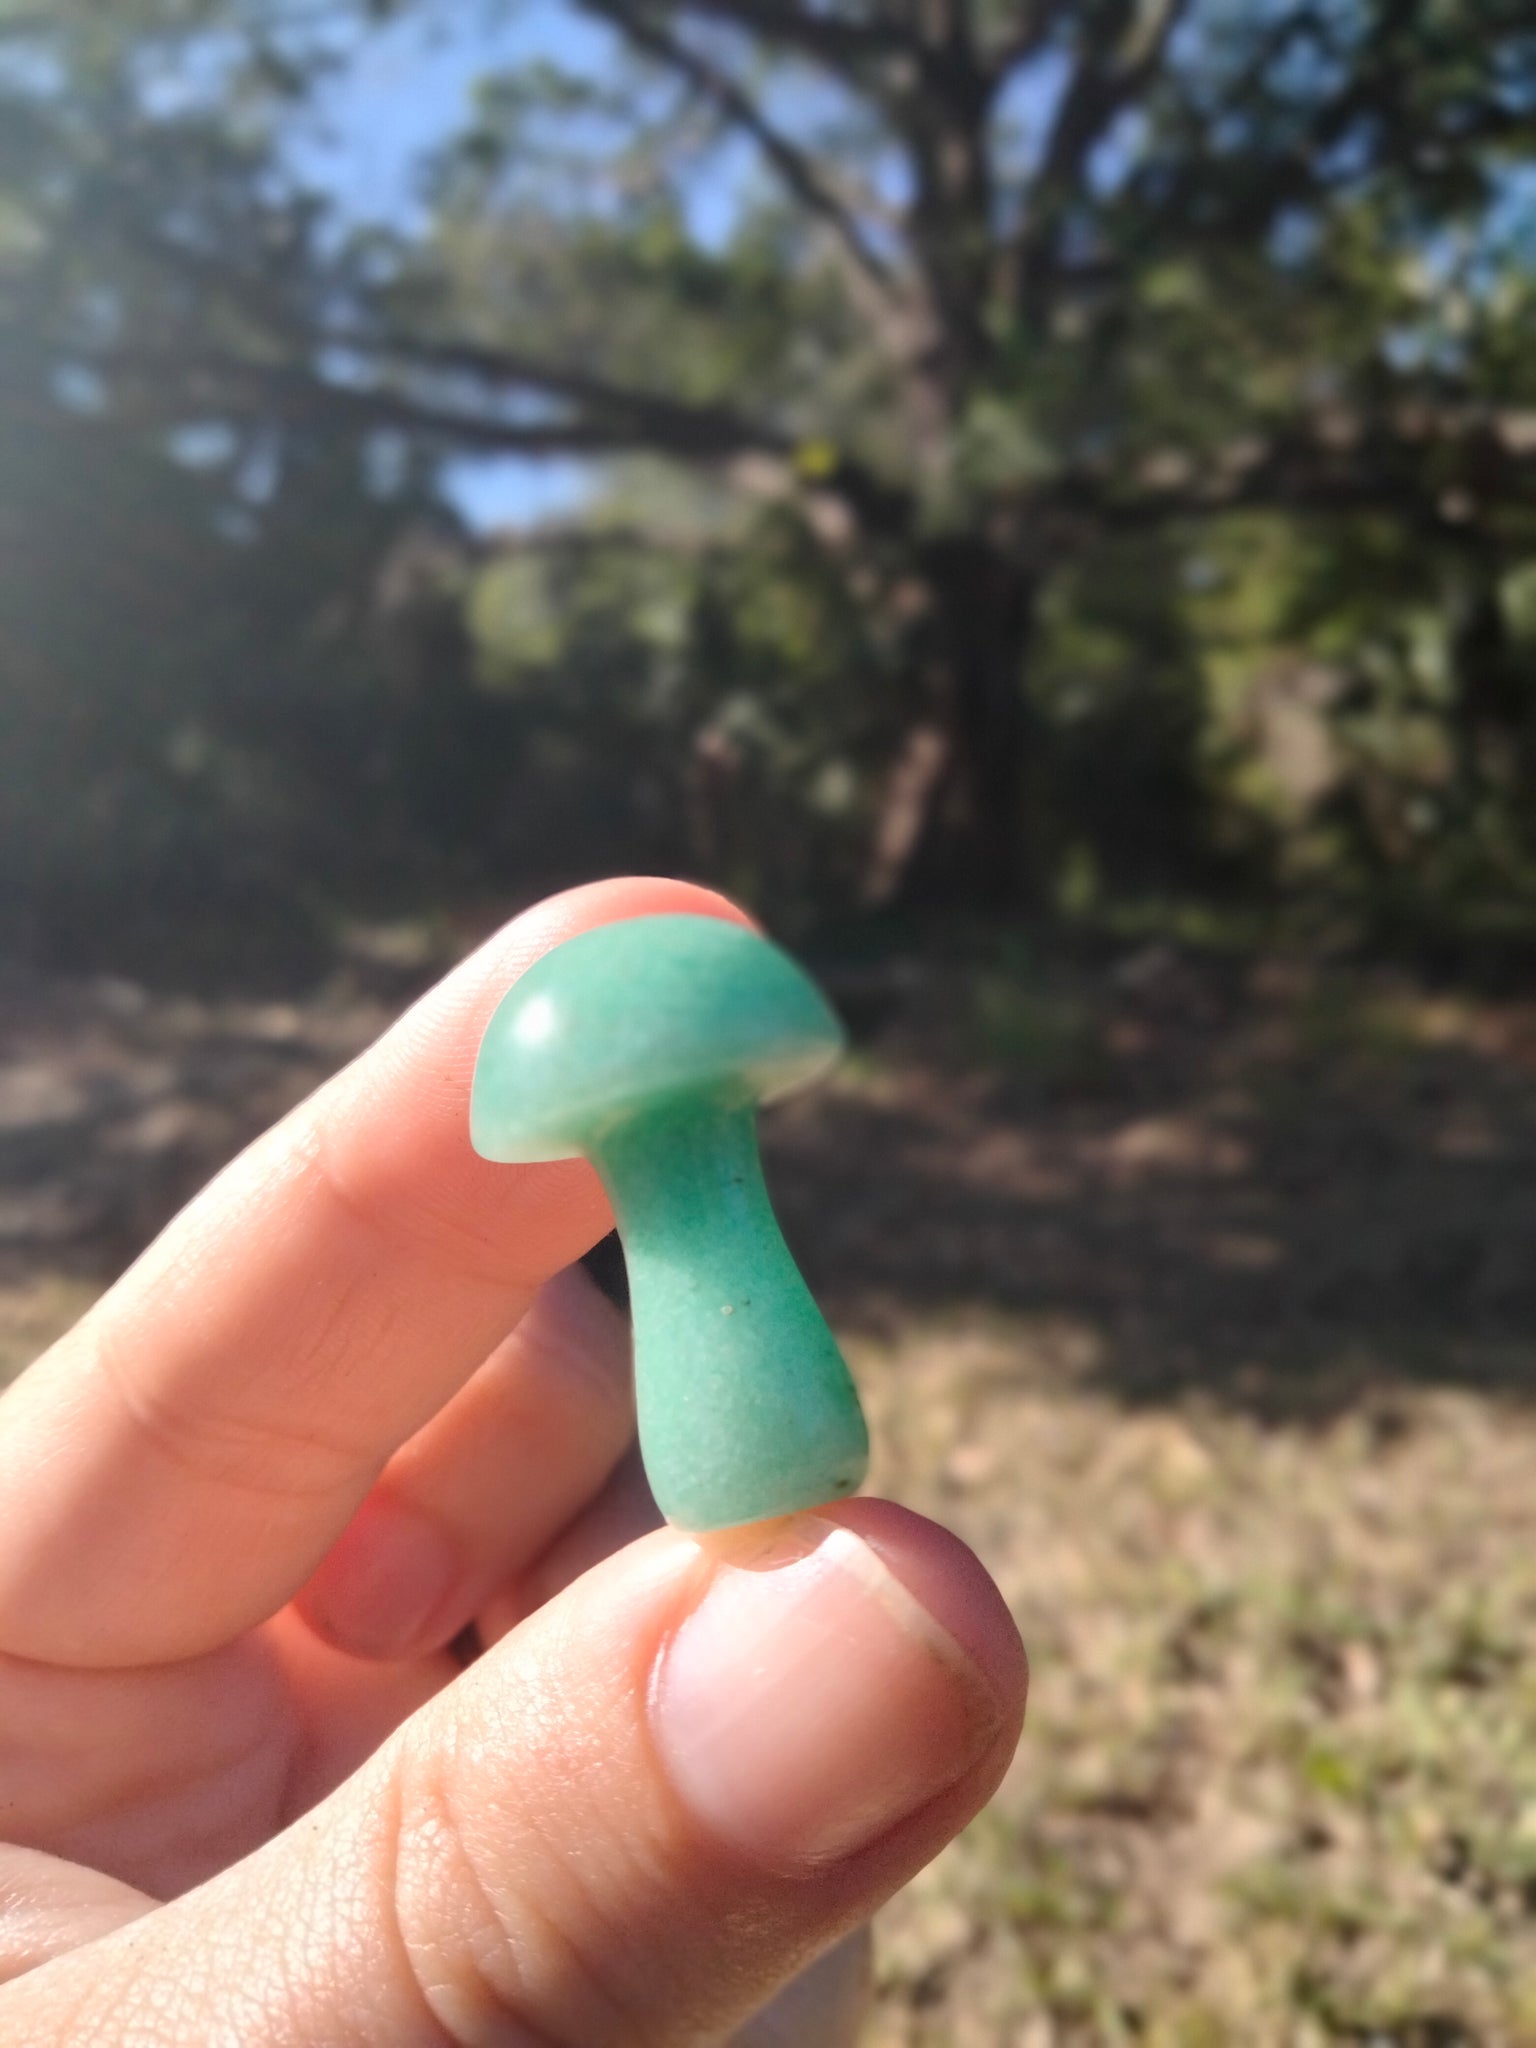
<point>646,1046</point>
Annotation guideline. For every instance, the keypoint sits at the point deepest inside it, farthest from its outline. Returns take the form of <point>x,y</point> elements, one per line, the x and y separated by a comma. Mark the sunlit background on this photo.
<point>1037,497</point>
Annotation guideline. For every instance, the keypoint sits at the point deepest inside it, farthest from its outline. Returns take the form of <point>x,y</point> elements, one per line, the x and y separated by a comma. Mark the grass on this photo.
<point>1279,1781</point>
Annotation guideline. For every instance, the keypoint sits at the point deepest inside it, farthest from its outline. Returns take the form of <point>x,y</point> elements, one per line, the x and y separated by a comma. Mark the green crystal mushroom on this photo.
<point>646,1046</point>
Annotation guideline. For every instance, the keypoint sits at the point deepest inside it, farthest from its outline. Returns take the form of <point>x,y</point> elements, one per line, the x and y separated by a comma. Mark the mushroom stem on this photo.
<point>746,1407</point>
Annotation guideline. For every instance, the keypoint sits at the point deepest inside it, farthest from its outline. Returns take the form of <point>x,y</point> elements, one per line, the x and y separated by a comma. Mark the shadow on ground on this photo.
<point>1274,1187</point>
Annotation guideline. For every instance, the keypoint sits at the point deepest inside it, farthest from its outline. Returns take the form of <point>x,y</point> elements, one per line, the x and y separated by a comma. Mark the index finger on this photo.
<point>178,1464</point>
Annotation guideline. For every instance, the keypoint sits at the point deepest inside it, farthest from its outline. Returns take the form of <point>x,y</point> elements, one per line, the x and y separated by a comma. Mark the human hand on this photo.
<point>255,1496</point>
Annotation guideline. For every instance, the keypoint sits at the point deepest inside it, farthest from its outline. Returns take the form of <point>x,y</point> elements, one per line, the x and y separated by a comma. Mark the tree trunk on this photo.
<point>953,828</point>
<point>1491,708</point>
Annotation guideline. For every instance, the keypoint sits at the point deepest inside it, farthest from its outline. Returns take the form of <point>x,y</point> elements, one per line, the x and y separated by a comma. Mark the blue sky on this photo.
<point>408,87</point>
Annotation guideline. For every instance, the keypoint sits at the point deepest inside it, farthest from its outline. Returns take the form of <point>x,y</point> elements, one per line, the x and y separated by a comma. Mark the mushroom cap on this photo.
<point>631,1015</point>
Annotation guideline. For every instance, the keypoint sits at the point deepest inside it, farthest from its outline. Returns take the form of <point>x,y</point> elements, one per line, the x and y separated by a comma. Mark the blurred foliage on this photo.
<point>1046,456</point>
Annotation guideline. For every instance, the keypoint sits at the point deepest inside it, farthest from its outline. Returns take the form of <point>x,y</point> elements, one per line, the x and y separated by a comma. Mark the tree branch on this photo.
<point>675,423</point>
<point>1034,31</point>
<point>567,540</point>
<point>1442,463</point>
<point>613,420</point>
<point>793,166</point>
<point>1244,196</point>
<point>1105,82</point>
<point>835,40</point>
<point>299,394</point>
<point>940,106</point>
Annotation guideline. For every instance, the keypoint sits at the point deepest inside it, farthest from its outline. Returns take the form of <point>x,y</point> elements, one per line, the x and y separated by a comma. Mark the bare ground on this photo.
<point>1200,1299</point>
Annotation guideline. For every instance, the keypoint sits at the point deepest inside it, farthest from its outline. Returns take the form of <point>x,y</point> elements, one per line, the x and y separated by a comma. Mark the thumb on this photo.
<point>627,1824</point>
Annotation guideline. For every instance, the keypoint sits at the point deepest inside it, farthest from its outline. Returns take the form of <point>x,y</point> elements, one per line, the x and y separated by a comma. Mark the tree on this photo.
<point>991,284</point>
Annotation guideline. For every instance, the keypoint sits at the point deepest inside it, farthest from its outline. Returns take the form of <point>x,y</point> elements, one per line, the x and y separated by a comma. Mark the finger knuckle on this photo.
<point>504,1927</point>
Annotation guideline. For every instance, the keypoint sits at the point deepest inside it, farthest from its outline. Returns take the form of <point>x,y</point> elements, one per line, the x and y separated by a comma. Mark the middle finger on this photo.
<point>476,1496</point>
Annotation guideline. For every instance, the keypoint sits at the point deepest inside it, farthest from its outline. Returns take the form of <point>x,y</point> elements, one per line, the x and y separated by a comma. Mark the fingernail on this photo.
<point>388,1575</point>
<point>809,1702</point>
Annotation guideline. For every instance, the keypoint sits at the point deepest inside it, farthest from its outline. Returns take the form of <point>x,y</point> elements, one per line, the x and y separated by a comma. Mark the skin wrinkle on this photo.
<point>352,1318</point>
<point>49,1906</point>
<point>342,1308</point>
<point>170,1828</point>
<point>72,2023</point>
<point>592,1961</point>
<point>52,1707</point>
<point>201,1950</point>
<point>596,1968</point>
<point>435,1824</point>
<point>190,1438</point>
<point>420,1233</point>
<point>329,1926</point>
<point>657,1819</point>
<point>259,1194</point>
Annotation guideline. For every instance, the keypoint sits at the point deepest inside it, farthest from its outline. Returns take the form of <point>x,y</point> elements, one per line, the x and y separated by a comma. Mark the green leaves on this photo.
<point>922,353</point>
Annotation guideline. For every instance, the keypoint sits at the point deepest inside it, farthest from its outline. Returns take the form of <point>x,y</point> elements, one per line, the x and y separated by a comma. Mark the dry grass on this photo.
<point>33,1310</point>
<point>1279,1780</point>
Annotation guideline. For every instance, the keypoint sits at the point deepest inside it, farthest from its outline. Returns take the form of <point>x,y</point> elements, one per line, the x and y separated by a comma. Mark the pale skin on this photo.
<point>351,1404</point>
